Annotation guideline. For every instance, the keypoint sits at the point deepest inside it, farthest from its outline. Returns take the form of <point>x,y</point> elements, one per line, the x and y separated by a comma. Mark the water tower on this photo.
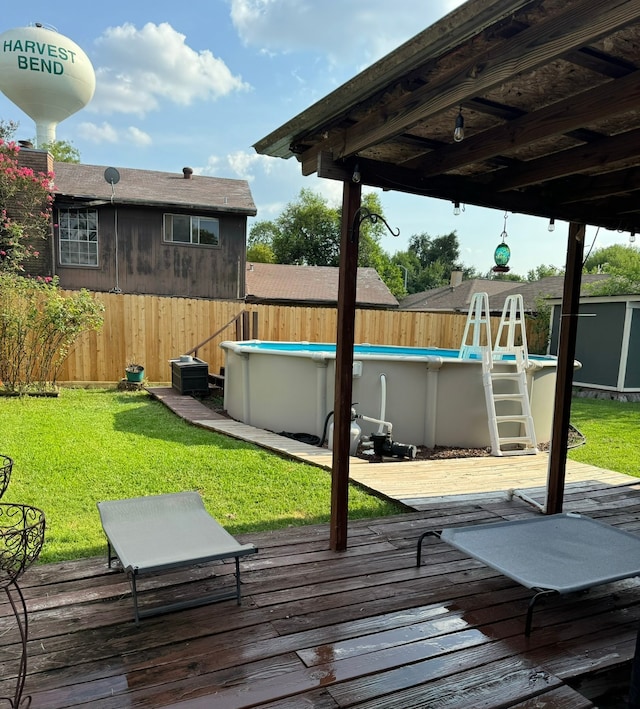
<point>46,75</point>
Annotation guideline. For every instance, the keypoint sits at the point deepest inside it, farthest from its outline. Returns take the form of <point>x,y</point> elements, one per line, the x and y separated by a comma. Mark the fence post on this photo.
<point>245,325</point>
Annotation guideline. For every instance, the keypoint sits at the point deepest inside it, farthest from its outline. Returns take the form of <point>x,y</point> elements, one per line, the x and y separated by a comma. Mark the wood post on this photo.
<point>344,365</point>
<point>564,378</point>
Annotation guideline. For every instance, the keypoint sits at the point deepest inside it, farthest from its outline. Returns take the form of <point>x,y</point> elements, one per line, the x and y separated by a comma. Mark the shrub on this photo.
<point>38,326</point>
<point>25,209</point>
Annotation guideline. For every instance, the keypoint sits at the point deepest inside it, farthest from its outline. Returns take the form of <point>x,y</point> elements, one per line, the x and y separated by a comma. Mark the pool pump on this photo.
<point>383,446</point>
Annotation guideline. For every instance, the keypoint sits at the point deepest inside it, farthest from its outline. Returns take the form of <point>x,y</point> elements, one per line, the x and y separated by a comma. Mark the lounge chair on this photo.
<point>555,554</point>
<point>163,532</point>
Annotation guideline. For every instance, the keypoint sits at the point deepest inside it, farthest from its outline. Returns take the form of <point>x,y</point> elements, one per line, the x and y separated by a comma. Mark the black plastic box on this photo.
<point>190,376</point>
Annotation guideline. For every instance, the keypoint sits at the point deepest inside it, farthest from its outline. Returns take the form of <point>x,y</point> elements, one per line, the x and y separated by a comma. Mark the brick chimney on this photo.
<point>37,160</point>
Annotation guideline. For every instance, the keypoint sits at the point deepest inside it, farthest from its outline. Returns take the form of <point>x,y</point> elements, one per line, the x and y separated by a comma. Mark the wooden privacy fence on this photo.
<point>151,331</point>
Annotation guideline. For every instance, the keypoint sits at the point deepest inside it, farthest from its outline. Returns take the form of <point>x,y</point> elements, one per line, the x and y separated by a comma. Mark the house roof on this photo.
<point>152,188</point>
<point>548,91</point>
<point>317,285</point>
<point>458,298</point>
<point>453,297</point>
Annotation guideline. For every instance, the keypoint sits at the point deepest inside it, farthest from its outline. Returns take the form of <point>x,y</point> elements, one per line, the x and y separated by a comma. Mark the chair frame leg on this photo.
<point>431,533</point>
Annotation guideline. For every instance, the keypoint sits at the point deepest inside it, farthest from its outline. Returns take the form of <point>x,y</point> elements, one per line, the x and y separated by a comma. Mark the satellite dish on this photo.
<point>112,176</point>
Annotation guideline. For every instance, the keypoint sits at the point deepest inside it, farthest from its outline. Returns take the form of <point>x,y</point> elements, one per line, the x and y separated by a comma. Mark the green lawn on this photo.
<point>612,431</point>
<point>89,445</point>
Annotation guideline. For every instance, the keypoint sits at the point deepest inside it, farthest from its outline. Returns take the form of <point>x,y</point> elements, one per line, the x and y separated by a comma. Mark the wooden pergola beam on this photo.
<point>584,157</point>
<point>580,24</point>
<point>543,203</point>
<point>562,117</point>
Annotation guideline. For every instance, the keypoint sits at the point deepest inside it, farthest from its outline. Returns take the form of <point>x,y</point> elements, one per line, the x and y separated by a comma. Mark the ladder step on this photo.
<point>519,451</point>
<point>519,396</point>
<point>525,440</point>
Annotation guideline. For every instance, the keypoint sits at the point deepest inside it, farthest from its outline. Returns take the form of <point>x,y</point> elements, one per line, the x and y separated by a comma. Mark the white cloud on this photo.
<point>212,168</point>
<point>358,31</point>
<point>268,212</point>
<point>140,68</point>
<point>137,137</point>
<point>241,165</point>
<point>106,133</point>
<point>93,133</point>
<point>245,165</point>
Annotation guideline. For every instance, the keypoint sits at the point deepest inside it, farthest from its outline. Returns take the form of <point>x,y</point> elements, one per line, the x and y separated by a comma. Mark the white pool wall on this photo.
<point>434,400</point>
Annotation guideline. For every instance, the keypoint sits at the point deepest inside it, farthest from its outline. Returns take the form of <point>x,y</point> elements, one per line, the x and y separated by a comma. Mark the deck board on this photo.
<point>362,628</point>
<point>418,483</point>
<point>317,628</point>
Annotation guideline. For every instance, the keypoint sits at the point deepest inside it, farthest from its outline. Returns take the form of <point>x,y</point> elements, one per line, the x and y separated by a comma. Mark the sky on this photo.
<point>198,84</point>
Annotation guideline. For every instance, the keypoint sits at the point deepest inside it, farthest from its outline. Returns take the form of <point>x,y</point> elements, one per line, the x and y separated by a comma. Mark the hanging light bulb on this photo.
<point>552,224</point>
<point>356,177</point>
<point>458,133</point>
<point>456,208</point>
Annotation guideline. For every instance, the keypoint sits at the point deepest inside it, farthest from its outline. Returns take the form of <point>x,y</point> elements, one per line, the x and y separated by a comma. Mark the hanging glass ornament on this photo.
<point>502,254</point>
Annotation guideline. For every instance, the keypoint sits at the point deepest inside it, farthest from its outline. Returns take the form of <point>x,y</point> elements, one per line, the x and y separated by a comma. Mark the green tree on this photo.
<point>370,251</point>
<point>501,276</point>
<point>542,271</point>
<point>539,329</point>
<point>62,151</point>
<point>308,233</point>
<point>440,248</point>
<point>618,257</point>
<point>262,232</point>
<point>261,253</point>
<point>436,257</point>
<point>8,130</point>
<point>410,267</point>
<point>622,263</point>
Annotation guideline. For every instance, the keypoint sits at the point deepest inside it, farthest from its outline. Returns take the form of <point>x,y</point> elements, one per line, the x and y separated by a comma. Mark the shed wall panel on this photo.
<point>632,374</point>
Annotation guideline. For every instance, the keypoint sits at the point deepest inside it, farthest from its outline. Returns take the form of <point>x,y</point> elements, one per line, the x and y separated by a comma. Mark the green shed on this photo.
<point>607,344</point>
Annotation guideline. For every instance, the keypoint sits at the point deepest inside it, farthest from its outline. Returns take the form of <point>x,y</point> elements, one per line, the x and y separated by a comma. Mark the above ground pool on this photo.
<point>430,396</point>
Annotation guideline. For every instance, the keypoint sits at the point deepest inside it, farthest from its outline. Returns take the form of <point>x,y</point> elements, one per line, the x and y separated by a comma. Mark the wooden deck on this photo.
<point>416,484</point>
<point>363,628</point>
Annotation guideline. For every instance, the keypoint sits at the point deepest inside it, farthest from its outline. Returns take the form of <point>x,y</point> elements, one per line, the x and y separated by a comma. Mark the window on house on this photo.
<point>78,237</point>
<point>185,229</point>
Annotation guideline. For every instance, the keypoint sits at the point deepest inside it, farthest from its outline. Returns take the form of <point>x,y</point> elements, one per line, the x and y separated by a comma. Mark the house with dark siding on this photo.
<point>144,232</point>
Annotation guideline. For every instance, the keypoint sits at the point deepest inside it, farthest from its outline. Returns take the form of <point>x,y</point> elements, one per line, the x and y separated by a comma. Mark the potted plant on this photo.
<point>134,372</point>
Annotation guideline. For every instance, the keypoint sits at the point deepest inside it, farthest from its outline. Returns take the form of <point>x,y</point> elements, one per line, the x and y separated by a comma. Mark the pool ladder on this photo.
<point>513,403</point>
<point>509,406</point>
